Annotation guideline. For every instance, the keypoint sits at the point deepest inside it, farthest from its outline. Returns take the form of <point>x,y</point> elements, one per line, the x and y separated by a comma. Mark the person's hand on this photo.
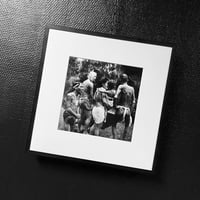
<point>78,116</point>
<point>101,90</point>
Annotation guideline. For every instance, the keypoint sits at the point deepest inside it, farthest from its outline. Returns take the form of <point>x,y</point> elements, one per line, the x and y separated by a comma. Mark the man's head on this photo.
<point>77,90</point>
<point>92,76</point>
<point>124,78</point>
<point>104,82</point>
<point>111,84</point>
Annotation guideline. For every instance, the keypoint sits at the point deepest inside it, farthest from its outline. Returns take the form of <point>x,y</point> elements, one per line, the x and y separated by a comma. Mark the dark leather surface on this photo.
<point>24,176</point>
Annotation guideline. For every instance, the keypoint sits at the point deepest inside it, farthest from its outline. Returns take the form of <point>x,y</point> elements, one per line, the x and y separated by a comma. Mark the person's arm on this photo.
<point>110,93</point>
<point>118,91</point>
<point>134,98</point>
<point>134,101</point>
<point>91,90</point>
<point>115,103</point>
<point>68,107</point>
<point>71,112</point>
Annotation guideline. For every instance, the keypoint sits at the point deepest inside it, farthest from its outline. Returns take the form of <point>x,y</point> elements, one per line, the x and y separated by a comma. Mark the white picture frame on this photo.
<point>61,43</point>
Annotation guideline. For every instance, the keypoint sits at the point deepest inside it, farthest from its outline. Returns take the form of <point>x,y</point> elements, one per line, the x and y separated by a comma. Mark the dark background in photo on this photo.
<point>24,176</point>
<point>77,72</point>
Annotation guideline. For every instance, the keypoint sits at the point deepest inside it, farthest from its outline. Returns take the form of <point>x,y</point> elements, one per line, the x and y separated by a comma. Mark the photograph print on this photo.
<point>100,98</point>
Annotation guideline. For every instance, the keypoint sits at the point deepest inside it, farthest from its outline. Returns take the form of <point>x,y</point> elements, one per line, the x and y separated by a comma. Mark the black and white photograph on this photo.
<point>100,98</point>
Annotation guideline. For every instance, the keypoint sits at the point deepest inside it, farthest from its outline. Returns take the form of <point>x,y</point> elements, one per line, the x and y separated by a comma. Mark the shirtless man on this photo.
<point>125,103</point>
<point>89,84</point>
<point>71,114</point>
<point>86,99</point>
<point>125,94</point>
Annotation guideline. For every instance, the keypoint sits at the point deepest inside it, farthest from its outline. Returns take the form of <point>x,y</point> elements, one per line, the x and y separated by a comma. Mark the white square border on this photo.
<point>139,153</point>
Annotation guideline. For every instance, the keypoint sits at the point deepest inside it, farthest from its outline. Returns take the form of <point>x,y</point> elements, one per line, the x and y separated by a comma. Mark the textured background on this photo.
<point>24,176</point>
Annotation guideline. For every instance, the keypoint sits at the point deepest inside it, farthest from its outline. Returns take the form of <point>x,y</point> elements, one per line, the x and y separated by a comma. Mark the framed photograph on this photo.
<point>99,98</point>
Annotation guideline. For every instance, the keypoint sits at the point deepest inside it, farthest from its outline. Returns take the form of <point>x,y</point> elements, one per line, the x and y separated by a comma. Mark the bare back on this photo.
<point>125,95</point>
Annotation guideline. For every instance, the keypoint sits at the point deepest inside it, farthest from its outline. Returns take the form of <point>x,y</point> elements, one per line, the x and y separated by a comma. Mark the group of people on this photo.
<point>87,109</point>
